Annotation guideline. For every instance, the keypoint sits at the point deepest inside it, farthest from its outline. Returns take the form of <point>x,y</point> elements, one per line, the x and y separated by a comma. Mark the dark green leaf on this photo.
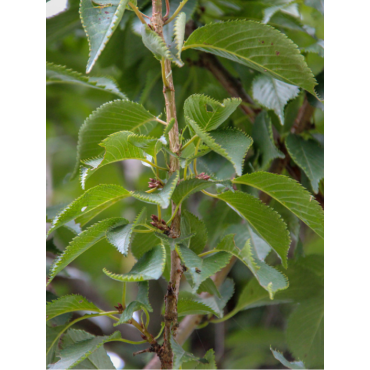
<point>191,224</point>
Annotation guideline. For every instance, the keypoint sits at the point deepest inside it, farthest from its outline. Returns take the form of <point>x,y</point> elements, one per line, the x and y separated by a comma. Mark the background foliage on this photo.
<point>293,326</point>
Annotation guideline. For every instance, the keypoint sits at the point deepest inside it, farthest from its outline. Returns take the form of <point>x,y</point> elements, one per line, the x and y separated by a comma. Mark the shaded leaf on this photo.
<point>207,112</point>
<point>149,145</point>
<point>89,204</point>
<point>149,267</point>
<point>290,194</point>
<point>191,224</point>
<point>264,220</point>
<point>191,304</point>
<point>209,286</point>
<point>69,303</point>
<point>162,197</point>
<point>189,187</point>
<point>81,243</point>
<point>230,143</point>
<point>173,242</point>
<point>99,24</point>
<point>273,94</point>
<point>155,43</point>
<point>257,46</point>
<point>210,357</point>
<point>309,155</point>
<point>52,339</point>
<point>179,355</point>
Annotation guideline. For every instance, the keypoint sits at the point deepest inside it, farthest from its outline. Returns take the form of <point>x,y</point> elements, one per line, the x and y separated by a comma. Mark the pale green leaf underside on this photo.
<point>99,359</point>
<point>112,117</point>
<point>77,352</point>
<point>82,242</point>
<point>155,43</point>
<point>290,365</point>
<point>89,204</point>
<point>273,94</point>
<point>179,32</point>
<point>263,139</point>
<point>265,221</point>
<point>231,144</point>
<point>290,194</point>
<point>207,112</point>
<point>99,25</point>
<point>305,333</point>
<point>56,74</point>
<point>148,267</point>
<point>161,197</point>
<point>309,155</point>
<point>257,46</point>
<point>69,303</point>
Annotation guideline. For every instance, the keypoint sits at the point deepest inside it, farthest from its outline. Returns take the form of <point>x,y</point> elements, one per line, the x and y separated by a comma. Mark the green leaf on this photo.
<point>290,365</point>
<point>273,94</point>
<point>200,269</point>
<point>90,204</point>
<point>179,32</point>
<point>305,333</point>
<point>257,46</point>
<point>268,277</point>
<point>99,359</point>
<point>264,220</point>
<point>191,304</point>
<point>290,194</point>
<point>142,243</point>
<point>99,24</point>
<point>189,187</point>
<point>168,127</point>
<point>210,357</point>
<point>209,286</point>
<point>191,224</point>
<point>58,320</point>
<point>112,117</point>
<point>149,145</point>
<point>162,197</point>
<point>309,155</point>
<point>148,267</point>
<point>155,43</point>
<point>207,112</point>
<point>263,139</point>
<point>117,148</point>
<point>52,339</point>
<point>79,351</point>
<point>179,355</point>
<point>173,242</point>
<point>69,303</point>
<point>120,236</point>
<point>56,74</point>
<point>81,243</point>
<point>230,143</point>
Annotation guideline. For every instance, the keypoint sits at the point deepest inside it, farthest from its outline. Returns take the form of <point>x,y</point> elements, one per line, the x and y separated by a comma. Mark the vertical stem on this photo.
<point>176,270</point>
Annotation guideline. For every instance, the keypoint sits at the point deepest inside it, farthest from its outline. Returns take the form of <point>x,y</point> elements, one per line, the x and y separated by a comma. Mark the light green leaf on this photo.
<point>99,359</point>
<point>155,43</point>
<point>56,74</point>
<point>148,267</point>
<point>58,320</point>
<point>210,357</point>
<point>69,303</point>
<point>142,243</point>
<point>268,277</point>
<point>179,32</point>
<point>149,145</point>
<point>191,224</point>
<point>173,242</point>
<point>191,304</point>
<point>161,197</point>
<point>112,117</point>
<point>180,356</point>
<point>305,333</point>
<point>207,112</point>
<point>200,269</point>
<point>81,243</point>
<point>290,194</point>
<point>106,3</point>
<point>263,139</point>
<point>89,204</point>
<point>117,148</point>
<point>273,94</point>
<point>309,155</point>
<point>290,365</point>
<point>264,220</point>
<point>99,24</point>
<point>120,236</point>
<point>257,46</point>
<point>230,143</point>
<point>77,352</point>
